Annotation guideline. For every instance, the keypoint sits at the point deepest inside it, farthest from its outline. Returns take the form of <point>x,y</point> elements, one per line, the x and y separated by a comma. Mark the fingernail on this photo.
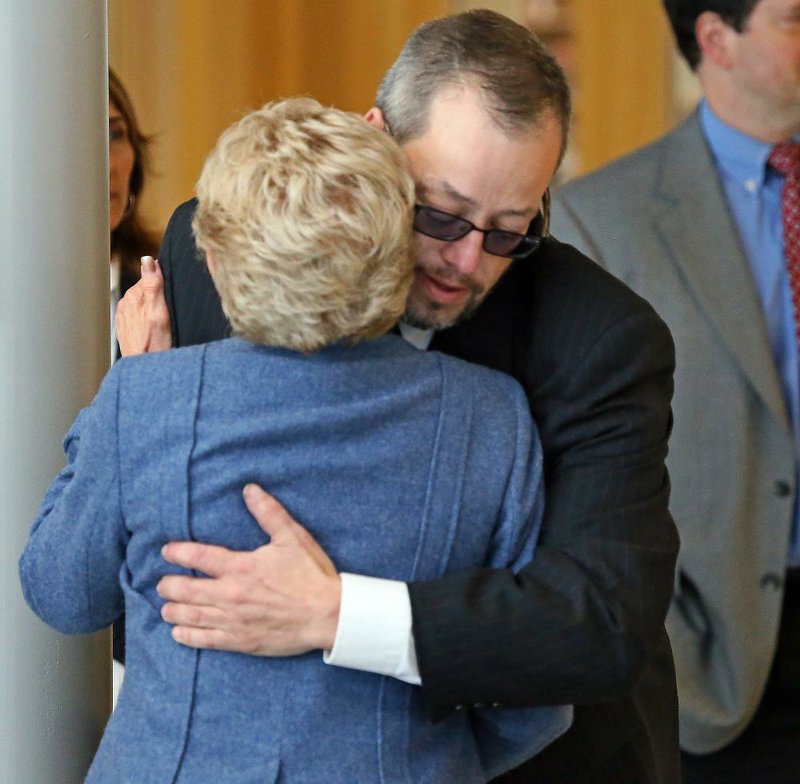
<point>248,490</point>
<point>148,265</point>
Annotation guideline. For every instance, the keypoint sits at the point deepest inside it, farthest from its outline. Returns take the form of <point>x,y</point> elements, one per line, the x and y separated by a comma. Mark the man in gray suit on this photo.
<point>693,222</point>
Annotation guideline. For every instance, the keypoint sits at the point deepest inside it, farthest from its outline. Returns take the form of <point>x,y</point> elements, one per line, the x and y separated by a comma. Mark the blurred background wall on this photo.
<point>193,66</point>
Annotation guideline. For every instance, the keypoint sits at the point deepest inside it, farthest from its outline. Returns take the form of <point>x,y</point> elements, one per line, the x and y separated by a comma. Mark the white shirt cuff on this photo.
<point>374,632</point>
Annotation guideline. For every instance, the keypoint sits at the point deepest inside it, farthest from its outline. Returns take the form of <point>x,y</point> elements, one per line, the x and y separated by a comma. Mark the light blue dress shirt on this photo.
<point>753,191</point>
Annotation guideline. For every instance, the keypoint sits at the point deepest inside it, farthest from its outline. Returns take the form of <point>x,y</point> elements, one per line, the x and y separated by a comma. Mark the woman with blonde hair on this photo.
<point>404,464</point>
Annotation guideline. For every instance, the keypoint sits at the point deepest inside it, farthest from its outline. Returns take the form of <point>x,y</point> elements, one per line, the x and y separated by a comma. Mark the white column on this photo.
<point>54,690</point>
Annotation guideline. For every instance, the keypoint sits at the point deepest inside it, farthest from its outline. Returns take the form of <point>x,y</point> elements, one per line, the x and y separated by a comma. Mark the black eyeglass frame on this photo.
<point>528,243</point>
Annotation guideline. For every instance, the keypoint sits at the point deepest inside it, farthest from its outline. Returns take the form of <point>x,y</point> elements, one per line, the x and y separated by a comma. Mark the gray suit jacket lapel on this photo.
<point>694,222</point>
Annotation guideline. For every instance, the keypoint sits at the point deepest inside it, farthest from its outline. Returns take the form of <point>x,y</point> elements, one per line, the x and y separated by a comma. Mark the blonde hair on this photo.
<point>308,212</point>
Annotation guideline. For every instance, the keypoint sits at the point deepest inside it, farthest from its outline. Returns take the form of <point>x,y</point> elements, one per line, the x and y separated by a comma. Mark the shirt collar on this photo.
<point>737,155</point>
<point>419,338</point>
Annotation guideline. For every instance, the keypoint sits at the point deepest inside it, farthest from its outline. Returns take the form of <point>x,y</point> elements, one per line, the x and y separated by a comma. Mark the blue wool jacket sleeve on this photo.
<point>69,570</point>
<point>508,737</point>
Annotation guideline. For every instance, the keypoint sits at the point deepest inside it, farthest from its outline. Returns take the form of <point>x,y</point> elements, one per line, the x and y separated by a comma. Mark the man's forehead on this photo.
<point>445,191</point>
<point>465,163</point>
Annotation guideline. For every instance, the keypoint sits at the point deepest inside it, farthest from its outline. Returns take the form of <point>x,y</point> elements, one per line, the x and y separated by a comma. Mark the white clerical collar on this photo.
<point>419,338</point>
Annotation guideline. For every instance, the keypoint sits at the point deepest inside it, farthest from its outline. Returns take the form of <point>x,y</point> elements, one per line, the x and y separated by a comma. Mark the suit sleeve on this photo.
<point>166,260</point>
<point>586,610</point>
<point>69,570</point>
<point>195,310</point>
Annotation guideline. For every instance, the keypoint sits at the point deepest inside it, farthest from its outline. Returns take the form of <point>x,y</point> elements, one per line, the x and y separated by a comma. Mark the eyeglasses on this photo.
<point>449,228</point>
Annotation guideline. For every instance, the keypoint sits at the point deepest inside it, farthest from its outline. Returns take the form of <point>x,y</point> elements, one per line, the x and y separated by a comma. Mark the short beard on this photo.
<point>431,321</point>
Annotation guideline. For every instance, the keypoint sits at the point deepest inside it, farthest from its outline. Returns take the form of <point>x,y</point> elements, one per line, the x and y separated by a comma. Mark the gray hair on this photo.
<point>519,81</point>
<point>308,212</point>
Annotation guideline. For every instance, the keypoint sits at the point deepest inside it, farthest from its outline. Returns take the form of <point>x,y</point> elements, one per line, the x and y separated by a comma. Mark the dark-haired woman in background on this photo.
<point>127,163</point>
<point>130,238</point>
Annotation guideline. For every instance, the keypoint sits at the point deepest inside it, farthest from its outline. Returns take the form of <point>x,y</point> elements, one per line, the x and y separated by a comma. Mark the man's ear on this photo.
<point>715,38</point>
<point>375,118</point>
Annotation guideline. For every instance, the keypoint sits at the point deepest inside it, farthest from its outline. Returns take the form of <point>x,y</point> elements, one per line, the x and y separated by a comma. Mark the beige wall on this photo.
<point>624,69</point>
<point>193,66</point>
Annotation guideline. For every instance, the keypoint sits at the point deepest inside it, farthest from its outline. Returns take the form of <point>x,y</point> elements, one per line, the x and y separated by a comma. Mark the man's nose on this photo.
<point>465,254</point>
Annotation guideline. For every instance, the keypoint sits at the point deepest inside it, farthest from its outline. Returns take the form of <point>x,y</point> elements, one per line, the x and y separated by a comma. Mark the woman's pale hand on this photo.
<point>142,320</point>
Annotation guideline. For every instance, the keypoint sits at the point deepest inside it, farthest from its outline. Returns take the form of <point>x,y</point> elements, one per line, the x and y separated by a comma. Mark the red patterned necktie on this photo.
<point>785,158</point>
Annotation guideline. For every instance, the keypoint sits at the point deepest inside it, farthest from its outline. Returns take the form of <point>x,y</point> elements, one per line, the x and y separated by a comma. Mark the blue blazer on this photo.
<point>403,464</point>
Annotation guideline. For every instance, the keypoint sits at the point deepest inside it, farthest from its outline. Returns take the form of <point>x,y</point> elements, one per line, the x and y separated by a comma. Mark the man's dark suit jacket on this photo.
<point>583,623</point>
